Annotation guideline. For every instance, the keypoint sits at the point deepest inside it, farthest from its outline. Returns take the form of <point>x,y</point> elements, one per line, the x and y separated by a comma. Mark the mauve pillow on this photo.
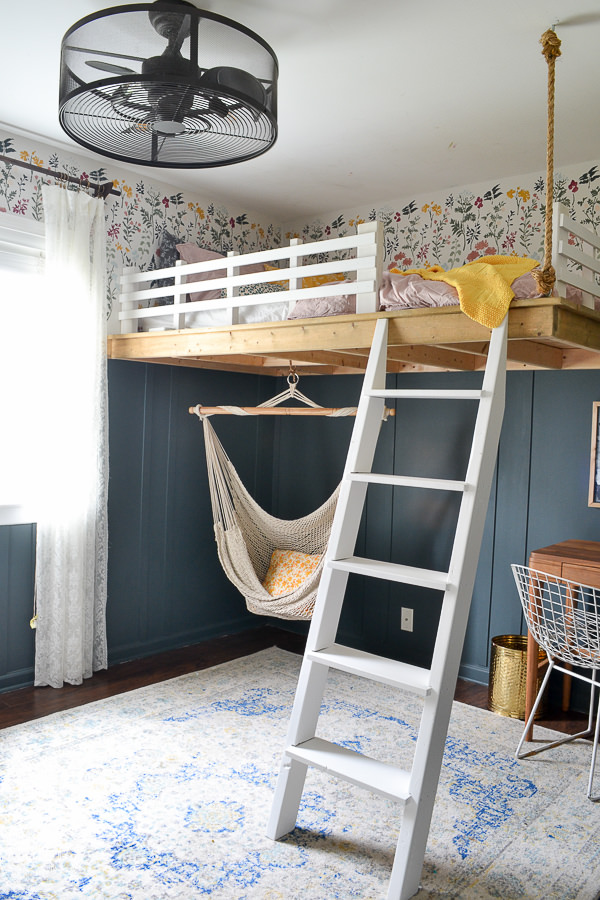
<point>399,291</point>
<point>411,291</point>
<point>525,287</point>
<point>191,253</point>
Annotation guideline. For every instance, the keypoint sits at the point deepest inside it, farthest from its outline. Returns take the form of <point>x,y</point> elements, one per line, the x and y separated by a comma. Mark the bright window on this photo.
<point>23,345</point>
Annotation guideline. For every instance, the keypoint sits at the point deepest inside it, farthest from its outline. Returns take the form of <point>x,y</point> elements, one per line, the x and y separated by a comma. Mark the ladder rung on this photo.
<point>439,394</point>
<point>363,771</point>
<point>375,568</point>
<point>378,668</point>
<point>436,484</point>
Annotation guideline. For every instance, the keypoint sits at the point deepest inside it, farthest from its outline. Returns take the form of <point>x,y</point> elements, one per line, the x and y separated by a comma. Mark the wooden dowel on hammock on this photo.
<point>276,411</point>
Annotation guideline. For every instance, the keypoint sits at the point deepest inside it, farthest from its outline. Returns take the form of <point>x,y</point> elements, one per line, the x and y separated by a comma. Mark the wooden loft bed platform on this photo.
<point>548,333</point>
<point>544,333</point>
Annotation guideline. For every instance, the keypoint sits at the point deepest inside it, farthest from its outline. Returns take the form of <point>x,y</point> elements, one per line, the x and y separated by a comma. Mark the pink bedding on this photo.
<point>399,291</point>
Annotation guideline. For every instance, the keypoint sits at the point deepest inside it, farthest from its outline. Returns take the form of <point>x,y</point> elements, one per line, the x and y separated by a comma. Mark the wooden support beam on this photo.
<point>543,334</point>
<point>445,325</point>
<point>476,348</point>
<point>579,328</point>
<point>434,358</point>
<point>535,354</point>
<point>580,359</point>
<point>400,359</point>
<point>442,328</point>
<point>245,366</point>
<point>249,367</point>
<point>280,338</point>
<point>356,362</point>
<point>529,353</point>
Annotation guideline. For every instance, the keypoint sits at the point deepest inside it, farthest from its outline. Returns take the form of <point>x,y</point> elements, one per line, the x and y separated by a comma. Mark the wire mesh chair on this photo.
<point>564,618</point>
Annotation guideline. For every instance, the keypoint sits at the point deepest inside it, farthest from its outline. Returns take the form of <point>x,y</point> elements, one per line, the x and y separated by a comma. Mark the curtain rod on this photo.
<point>100,190</point>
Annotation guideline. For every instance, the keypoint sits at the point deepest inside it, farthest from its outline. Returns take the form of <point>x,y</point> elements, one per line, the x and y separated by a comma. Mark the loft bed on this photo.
<point>314,307</point>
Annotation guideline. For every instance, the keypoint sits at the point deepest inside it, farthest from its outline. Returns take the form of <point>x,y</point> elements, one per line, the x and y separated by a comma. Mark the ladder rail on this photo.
<point>436,685</point>
<point>429,748</point>
<point>332,587</point>
<point>346,521</point>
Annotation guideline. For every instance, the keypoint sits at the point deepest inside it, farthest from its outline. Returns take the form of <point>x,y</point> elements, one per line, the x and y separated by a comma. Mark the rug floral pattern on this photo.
<point>164,794</point>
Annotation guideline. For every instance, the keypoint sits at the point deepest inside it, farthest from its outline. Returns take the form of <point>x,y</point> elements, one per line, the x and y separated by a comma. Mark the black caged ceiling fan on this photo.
<point>166,84</point>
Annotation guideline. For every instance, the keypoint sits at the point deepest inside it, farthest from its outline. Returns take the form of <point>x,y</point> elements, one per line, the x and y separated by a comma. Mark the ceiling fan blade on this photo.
<point>219,107</point>
<point>109,67</point>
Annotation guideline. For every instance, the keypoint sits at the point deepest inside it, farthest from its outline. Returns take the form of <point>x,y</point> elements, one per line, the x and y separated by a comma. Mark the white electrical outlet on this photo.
<point>406,618</point>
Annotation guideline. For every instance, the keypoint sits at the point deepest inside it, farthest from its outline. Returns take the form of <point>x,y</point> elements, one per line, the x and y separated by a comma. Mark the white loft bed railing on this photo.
<point>576,259</point>
<point>576,262</point>
<point>359,256</point>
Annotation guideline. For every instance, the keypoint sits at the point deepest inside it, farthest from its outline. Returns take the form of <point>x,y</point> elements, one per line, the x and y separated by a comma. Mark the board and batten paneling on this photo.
<point>166,587</point>
<point>539,496</point>
<point>17,566</point>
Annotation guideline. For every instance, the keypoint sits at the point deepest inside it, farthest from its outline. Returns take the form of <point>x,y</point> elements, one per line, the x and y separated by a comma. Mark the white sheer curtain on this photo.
<point>71,556</point>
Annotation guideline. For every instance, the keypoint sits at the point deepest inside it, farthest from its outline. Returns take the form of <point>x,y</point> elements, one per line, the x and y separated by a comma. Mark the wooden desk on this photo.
<point>576,561</point>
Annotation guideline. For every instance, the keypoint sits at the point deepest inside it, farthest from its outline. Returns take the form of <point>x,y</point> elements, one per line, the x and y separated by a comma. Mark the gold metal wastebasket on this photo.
<point>508,676</point>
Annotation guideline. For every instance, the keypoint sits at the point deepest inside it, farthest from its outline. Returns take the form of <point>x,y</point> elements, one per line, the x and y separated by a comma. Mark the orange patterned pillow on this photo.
<point>287,570</point>
<point>311,281</point>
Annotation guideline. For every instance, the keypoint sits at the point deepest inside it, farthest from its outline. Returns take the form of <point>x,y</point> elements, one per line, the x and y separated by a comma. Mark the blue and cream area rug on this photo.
<point>163,794</point>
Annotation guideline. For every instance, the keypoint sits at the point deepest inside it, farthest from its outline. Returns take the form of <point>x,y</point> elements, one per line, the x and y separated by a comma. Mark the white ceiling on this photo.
<point>378,99</point>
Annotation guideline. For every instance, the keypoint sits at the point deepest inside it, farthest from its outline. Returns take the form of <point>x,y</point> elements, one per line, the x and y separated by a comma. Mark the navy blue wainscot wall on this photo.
<point>166,587</point>
<point>539,497</point>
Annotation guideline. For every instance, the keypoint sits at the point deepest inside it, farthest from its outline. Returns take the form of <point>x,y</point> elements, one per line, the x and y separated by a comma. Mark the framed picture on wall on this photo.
<point>594,497</point>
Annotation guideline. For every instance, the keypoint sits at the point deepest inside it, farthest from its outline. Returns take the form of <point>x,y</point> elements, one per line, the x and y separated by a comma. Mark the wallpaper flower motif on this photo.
<point>505,218</point>
<point>136,214</point>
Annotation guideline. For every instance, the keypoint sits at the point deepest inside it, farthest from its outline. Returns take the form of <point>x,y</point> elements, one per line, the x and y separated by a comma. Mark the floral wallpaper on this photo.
<point>453,228</point>
<point>135,216</point>
<point>449,229</point>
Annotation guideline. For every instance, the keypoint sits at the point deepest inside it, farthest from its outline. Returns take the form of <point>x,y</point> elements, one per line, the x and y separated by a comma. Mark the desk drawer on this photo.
<point>582,574</point>
<point>542,563</point>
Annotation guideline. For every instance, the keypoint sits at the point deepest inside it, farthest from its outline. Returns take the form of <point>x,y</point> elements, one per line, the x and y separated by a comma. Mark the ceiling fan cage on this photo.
<point>166,84</point>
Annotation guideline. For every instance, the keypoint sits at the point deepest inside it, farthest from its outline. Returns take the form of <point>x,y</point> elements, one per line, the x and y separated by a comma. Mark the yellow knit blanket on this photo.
<point>483,286</point>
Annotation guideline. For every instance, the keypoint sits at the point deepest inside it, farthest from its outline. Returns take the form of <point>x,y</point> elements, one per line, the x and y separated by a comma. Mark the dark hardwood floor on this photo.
<point>32,703</point>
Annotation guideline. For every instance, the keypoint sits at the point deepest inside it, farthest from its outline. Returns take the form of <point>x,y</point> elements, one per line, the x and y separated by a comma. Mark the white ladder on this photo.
<point>416,788</point>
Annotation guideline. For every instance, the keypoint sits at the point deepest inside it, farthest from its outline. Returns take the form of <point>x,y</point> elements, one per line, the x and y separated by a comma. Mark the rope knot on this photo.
<point>545,279</point>
<point>550,42</point>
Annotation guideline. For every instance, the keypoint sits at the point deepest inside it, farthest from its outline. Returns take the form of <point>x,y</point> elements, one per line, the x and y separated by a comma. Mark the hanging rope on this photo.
<point>546,277</point>
<point>292,392</point>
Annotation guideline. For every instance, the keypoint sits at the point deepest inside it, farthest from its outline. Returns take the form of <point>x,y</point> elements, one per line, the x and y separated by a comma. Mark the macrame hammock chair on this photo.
<point>246,535</point>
